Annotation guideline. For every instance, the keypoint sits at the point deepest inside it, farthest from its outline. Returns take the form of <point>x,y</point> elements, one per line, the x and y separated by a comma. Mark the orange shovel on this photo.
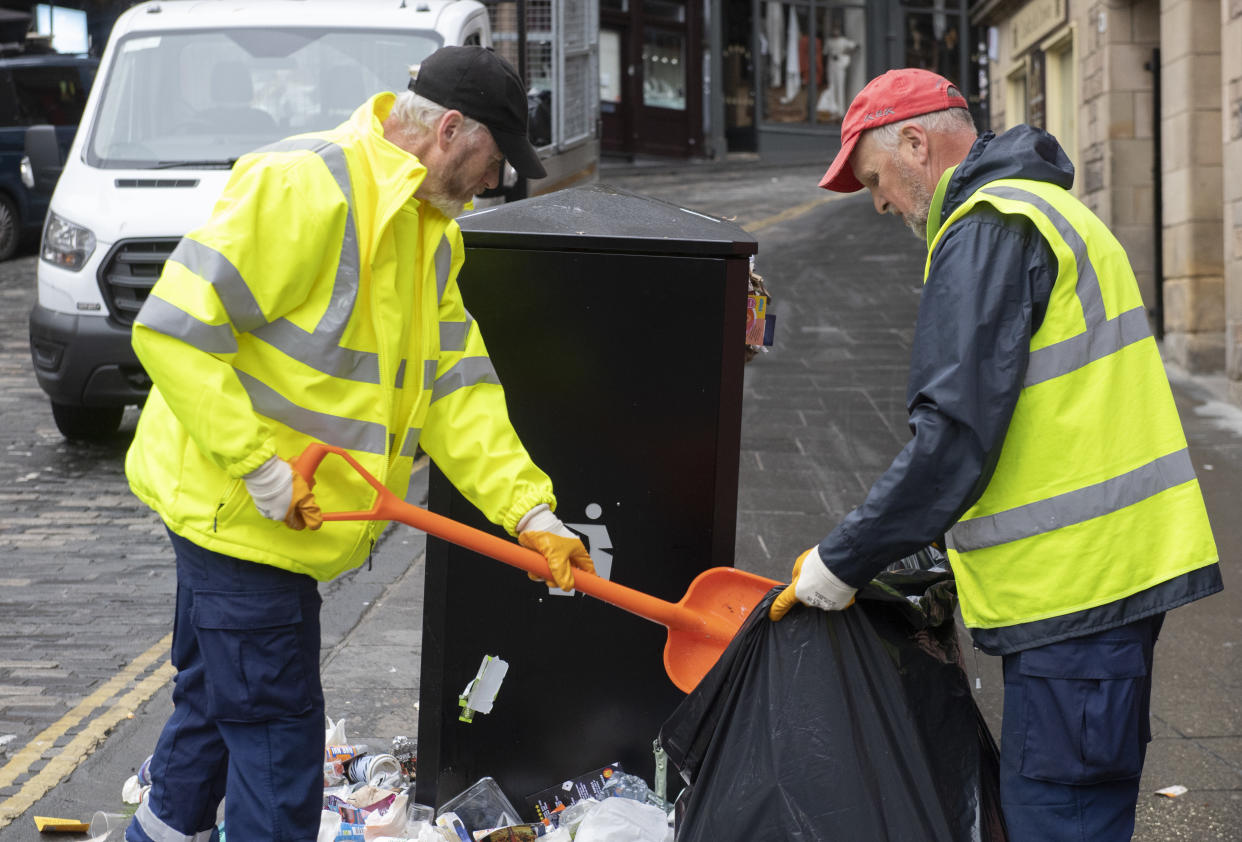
<point>700,624</point>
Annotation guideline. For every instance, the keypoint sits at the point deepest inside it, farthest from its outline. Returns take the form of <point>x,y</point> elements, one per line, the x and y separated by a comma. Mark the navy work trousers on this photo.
<point>248,711</point>
<point>1075,733</point>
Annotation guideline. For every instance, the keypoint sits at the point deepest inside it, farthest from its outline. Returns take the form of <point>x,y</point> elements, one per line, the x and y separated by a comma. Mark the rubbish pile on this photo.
<point>369,796</point>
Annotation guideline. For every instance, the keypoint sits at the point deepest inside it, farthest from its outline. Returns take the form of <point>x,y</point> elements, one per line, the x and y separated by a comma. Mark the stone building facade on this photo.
<point>1146,97</point>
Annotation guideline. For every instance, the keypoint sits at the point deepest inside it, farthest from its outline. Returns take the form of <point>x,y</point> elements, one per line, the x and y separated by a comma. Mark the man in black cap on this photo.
<point>318,303</point>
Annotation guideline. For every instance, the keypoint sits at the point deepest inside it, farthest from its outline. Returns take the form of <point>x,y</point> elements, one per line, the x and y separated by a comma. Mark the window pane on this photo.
<point>664,70</point>
<point>609,65</point>
<point>845,61</point>
<point>786,63</point>
<point>934,42</point>
<point>667,9</point>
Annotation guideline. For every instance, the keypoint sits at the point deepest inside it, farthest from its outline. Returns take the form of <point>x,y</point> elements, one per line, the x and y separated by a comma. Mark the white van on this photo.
<point>184,88</point>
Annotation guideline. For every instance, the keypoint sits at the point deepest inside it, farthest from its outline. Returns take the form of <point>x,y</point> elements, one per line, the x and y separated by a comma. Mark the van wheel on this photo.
<point>87,423</point>
<point>10,231</point>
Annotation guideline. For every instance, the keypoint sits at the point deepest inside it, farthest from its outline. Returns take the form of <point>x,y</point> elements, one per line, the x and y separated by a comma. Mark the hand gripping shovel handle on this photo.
<point>389,507</point>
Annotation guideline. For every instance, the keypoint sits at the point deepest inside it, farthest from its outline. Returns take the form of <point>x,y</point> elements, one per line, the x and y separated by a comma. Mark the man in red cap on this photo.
<point>1047,451</point>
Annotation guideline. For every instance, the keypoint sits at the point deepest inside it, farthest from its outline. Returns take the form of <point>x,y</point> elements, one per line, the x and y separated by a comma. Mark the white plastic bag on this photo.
<point>334,734</point>
<point>329,826</point>
<point>623,820</point>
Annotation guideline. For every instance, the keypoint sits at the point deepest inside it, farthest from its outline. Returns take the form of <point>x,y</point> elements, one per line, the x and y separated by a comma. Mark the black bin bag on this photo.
<point>849,725</point>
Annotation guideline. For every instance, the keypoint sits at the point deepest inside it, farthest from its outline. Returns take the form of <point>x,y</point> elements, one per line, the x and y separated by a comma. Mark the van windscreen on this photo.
<point>204,97</point>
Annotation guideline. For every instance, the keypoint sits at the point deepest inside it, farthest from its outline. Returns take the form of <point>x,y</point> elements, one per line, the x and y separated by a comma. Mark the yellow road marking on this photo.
<point>790,213</point>
<point>21,762</point>
<point>82,745</point>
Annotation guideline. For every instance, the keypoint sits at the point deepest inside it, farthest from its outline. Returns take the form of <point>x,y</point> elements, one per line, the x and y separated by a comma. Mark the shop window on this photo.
<point>610,77</point>
<point>664,69</point>
<point>813,60</point>
<point>1015,97</point>
<point>934,42</point>
<point>1062,109</point>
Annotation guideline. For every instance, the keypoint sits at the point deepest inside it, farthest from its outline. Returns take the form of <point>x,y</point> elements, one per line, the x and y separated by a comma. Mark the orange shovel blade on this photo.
<point>724,597</point>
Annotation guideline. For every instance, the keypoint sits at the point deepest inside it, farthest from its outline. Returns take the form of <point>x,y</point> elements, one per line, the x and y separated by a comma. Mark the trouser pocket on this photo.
<point>252,645</point>
<point>1085,710</point>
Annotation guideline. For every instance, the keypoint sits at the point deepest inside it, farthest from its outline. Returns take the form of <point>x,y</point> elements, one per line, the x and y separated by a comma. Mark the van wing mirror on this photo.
<point>43,150</point>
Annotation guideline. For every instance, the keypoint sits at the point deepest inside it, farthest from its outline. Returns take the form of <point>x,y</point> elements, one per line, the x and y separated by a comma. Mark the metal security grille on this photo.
<point>578,99</point>
<point>576,57</point>
<point>128,273</point>
<point>561,60</point>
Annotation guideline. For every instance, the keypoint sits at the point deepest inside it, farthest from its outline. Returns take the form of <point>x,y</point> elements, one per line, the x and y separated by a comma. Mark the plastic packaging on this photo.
<point>855,724</point>
<point>624,820</point>
<point>482,806</point>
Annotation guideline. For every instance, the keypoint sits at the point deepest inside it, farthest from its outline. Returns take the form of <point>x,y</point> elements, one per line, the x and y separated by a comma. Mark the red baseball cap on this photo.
<point>888,98</point>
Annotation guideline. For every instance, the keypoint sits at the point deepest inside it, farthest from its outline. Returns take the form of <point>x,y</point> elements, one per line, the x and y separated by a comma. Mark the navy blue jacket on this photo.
<point>986,293</point>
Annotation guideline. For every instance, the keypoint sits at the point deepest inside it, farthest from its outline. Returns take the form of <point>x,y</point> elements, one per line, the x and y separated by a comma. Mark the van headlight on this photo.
<point>66,244</point>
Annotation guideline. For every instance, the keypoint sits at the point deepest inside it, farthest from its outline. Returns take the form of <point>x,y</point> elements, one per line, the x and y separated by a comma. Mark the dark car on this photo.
<point>44,94</point>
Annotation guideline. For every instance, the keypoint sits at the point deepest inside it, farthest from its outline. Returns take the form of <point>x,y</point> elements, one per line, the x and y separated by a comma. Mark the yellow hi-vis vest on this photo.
<point>318,303</point>
<point>1094,497</point>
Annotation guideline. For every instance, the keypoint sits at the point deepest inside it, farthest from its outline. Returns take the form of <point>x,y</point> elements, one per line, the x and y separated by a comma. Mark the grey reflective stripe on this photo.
<point>429,373</point>
<point>1072,354</point>
<point>322,349</point>
<point>350,433</point>
<point>1076,506</point>
<point>223,276</point>
<point>444,263</point>
<point>328,357</point>
<point>1103,336</point>
<point>155,827</point>
<point>410,445</point>
<point>400,374</point>
<point>468,371</point>
<point>453,335</point>
<point>170,320</point>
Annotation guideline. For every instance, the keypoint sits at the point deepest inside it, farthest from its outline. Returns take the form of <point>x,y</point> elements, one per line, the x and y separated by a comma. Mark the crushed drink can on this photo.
<point>378,770</point>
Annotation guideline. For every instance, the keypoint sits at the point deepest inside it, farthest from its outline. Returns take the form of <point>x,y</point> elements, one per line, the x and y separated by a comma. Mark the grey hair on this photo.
<point>948,121</point>
<point>419,114</point>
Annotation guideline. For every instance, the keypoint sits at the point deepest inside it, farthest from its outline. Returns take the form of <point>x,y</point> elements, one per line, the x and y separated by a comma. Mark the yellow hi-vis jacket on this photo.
<point>1094,497</point>
<point>318,303</point>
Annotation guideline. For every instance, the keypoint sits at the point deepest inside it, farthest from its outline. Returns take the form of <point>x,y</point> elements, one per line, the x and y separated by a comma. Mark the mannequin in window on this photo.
<point>840,51</point>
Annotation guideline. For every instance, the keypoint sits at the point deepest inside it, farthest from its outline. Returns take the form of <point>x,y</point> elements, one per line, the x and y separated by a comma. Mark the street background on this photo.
<point>86,588</point>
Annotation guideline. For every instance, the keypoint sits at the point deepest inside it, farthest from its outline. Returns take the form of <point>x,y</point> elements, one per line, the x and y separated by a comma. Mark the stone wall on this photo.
<point>1231,125</point>
<point>1192,171</point>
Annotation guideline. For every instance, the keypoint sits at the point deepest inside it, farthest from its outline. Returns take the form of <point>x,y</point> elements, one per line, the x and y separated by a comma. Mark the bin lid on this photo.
<point>600,217</point>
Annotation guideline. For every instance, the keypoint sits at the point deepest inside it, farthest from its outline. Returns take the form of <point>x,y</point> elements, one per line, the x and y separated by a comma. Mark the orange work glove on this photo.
<point>543,532</point>
<point>280,493</point>
<point>812,584</point>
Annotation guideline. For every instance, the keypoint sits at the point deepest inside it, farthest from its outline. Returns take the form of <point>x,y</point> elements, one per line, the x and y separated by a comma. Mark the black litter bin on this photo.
<point>616,323</point>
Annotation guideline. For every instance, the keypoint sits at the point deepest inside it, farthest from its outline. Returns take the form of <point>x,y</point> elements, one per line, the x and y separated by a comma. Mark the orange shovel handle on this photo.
<point>390,507</point>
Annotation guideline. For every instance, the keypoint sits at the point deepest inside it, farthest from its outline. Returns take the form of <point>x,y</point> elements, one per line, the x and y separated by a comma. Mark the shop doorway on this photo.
<point>651,79</point>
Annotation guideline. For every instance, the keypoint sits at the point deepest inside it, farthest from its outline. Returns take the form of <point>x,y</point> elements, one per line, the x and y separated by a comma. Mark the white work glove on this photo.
<point>280,493</point>
<point>542,531</point>
<point>813,584</point>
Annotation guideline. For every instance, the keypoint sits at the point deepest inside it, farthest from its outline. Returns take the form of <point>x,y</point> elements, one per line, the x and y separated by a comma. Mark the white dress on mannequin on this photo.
<point>793,69</point>
<point>839,50</point>
<point>774,24</point>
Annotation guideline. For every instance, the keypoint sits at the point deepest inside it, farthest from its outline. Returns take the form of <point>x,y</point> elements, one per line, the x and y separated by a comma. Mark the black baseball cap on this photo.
<point>484,87</point>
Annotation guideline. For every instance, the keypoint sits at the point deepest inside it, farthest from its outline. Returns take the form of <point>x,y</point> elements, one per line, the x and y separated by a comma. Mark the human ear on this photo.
<point>449,128</point>
<point>913,139</point>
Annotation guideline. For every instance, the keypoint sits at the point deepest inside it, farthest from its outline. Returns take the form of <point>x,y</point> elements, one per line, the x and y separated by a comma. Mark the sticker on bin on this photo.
<point>481,692</point>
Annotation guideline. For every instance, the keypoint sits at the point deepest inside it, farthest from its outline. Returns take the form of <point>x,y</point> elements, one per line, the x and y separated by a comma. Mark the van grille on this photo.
<point>128,273</point>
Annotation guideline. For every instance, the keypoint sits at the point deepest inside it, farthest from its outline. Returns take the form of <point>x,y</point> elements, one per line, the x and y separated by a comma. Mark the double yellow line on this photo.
<point>115,708</point>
